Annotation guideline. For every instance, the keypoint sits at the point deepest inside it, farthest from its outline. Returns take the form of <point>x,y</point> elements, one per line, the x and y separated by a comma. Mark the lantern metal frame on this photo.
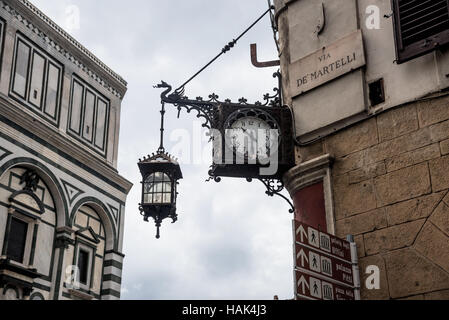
<point>163,163</point>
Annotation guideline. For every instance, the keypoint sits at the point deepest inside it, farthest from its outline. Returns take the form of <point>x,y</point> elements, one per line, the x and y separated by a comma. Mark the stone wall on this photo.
<point>390,185</point>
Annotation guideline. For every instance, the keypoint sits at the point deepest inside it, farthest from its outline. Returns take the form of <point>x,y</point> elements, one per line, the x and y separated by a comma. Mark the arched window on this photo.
<point>27,230</point>
<point>88,254</point>
<point>157,189</point>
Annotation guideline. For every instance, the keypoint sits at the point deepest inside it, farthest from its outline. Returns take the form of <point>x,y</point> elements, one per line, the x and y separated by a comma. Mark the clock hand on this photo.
<point>250,133</point>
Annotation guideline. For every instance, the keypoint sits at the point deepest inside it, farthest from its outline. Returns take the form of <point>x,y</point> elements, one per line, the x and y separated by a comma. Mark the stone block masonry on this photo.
<point>390,184</point>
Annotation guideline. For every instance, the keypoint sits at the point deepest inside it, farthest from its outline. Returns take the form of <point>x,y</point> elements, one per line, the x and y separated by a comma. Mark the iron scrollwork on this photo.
<point>207,108</point>
<point>274,188</point>
<point>208,111</point>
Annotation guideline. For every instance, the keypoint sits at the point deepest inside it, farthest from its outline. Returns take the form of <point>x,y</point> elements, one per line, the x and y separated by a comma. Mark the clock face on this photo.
<point>252,135</point>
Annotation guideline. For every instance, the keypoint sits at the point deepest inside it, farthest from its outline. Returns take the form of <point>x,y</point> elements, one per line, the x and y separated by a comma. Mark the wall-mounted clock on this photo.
<point>251,138</point>
<point>252,135</point>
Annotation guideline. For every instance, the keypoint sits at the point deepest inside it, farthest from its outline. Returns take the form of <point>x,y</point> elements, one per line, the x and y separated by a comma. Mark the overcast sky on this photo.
<point>231,240</point>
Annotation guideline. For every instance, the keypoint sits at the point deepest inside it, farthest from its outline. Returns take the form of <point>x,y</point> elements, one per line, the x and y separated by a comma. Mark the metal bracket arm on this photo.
<point>275,187</point>
<point>208,109</point>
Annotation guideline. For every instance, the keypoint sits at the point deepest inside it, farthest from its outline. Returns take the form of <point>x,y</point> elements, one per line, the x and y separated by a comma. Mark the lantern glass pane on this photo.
<point>157,198</point>
<point>167,197</point>
<point>157,189</point>
<point>167,187</point>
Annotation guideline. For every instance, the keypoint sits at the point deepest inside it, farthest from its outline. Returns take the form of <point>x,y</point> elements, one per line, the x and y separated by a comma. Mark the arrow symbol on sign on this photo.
<point>302,282</point>
<point>302,232</point>
<point>303,256</point>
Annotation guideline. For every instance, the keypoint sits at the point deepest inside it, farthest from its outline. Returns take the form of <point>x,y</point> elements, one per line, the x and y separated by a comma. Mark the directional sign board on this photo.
<point>323,265</point>
<point>313,288</point>
<point>323,241</point>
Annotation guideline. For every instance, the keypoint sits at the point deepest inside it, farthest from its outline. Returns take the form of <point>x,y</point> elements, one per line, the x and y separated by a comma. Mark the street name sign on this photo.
<point>327,63</point>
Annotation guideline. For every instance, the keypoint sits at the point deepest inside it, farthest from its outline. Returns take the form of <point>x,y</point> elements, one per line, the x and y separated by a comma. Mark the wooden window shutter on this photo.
<point>420,26</point>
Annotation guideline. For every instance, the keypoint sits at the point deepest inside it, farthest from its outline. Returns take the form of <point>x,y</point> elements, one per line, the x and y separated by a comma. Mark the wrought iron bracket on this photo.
<point>274,188</point>
<point>207,109</point>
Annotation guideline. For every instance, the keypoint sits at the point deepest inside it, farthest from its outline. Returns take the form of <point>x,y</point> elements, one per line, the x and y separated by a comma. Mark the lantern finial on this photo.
<point>158,234</point>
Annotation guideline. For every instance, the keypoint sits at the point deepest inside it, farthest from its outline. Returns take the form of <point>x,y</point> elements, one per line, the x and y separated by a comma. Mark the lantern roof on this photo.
<point>160,161</point>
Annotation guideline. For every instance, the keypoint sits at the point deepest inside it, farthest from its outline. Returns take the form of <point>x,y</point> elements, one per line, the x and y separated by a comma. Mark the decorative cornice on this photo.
<point>8,109</point>
<point>94,237</point>
<point>64,237</point>
<point>80,294</point>
<point>65,229</point>
<point>25,4</point>
<point>9,268</point>
<point>63,242</point>
<point>114,252</point>
<point>307,173</point>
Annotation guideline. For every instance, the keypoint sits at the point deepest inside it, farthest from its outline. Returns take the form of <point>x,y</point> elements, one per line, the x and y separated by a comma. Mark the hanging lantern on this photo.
<point>160,175</point>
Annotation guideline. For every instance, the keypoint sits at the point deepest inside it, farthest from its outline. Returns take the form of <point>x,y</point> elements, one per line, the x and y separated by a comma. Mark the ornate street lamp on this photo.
<point>160,175</point>
<point>161,172</point>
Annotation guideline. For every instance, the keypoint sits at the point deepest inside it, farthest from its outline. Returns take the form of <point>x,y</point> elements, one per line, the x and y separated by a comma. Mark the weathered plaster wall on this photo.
<point>345,100</point>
